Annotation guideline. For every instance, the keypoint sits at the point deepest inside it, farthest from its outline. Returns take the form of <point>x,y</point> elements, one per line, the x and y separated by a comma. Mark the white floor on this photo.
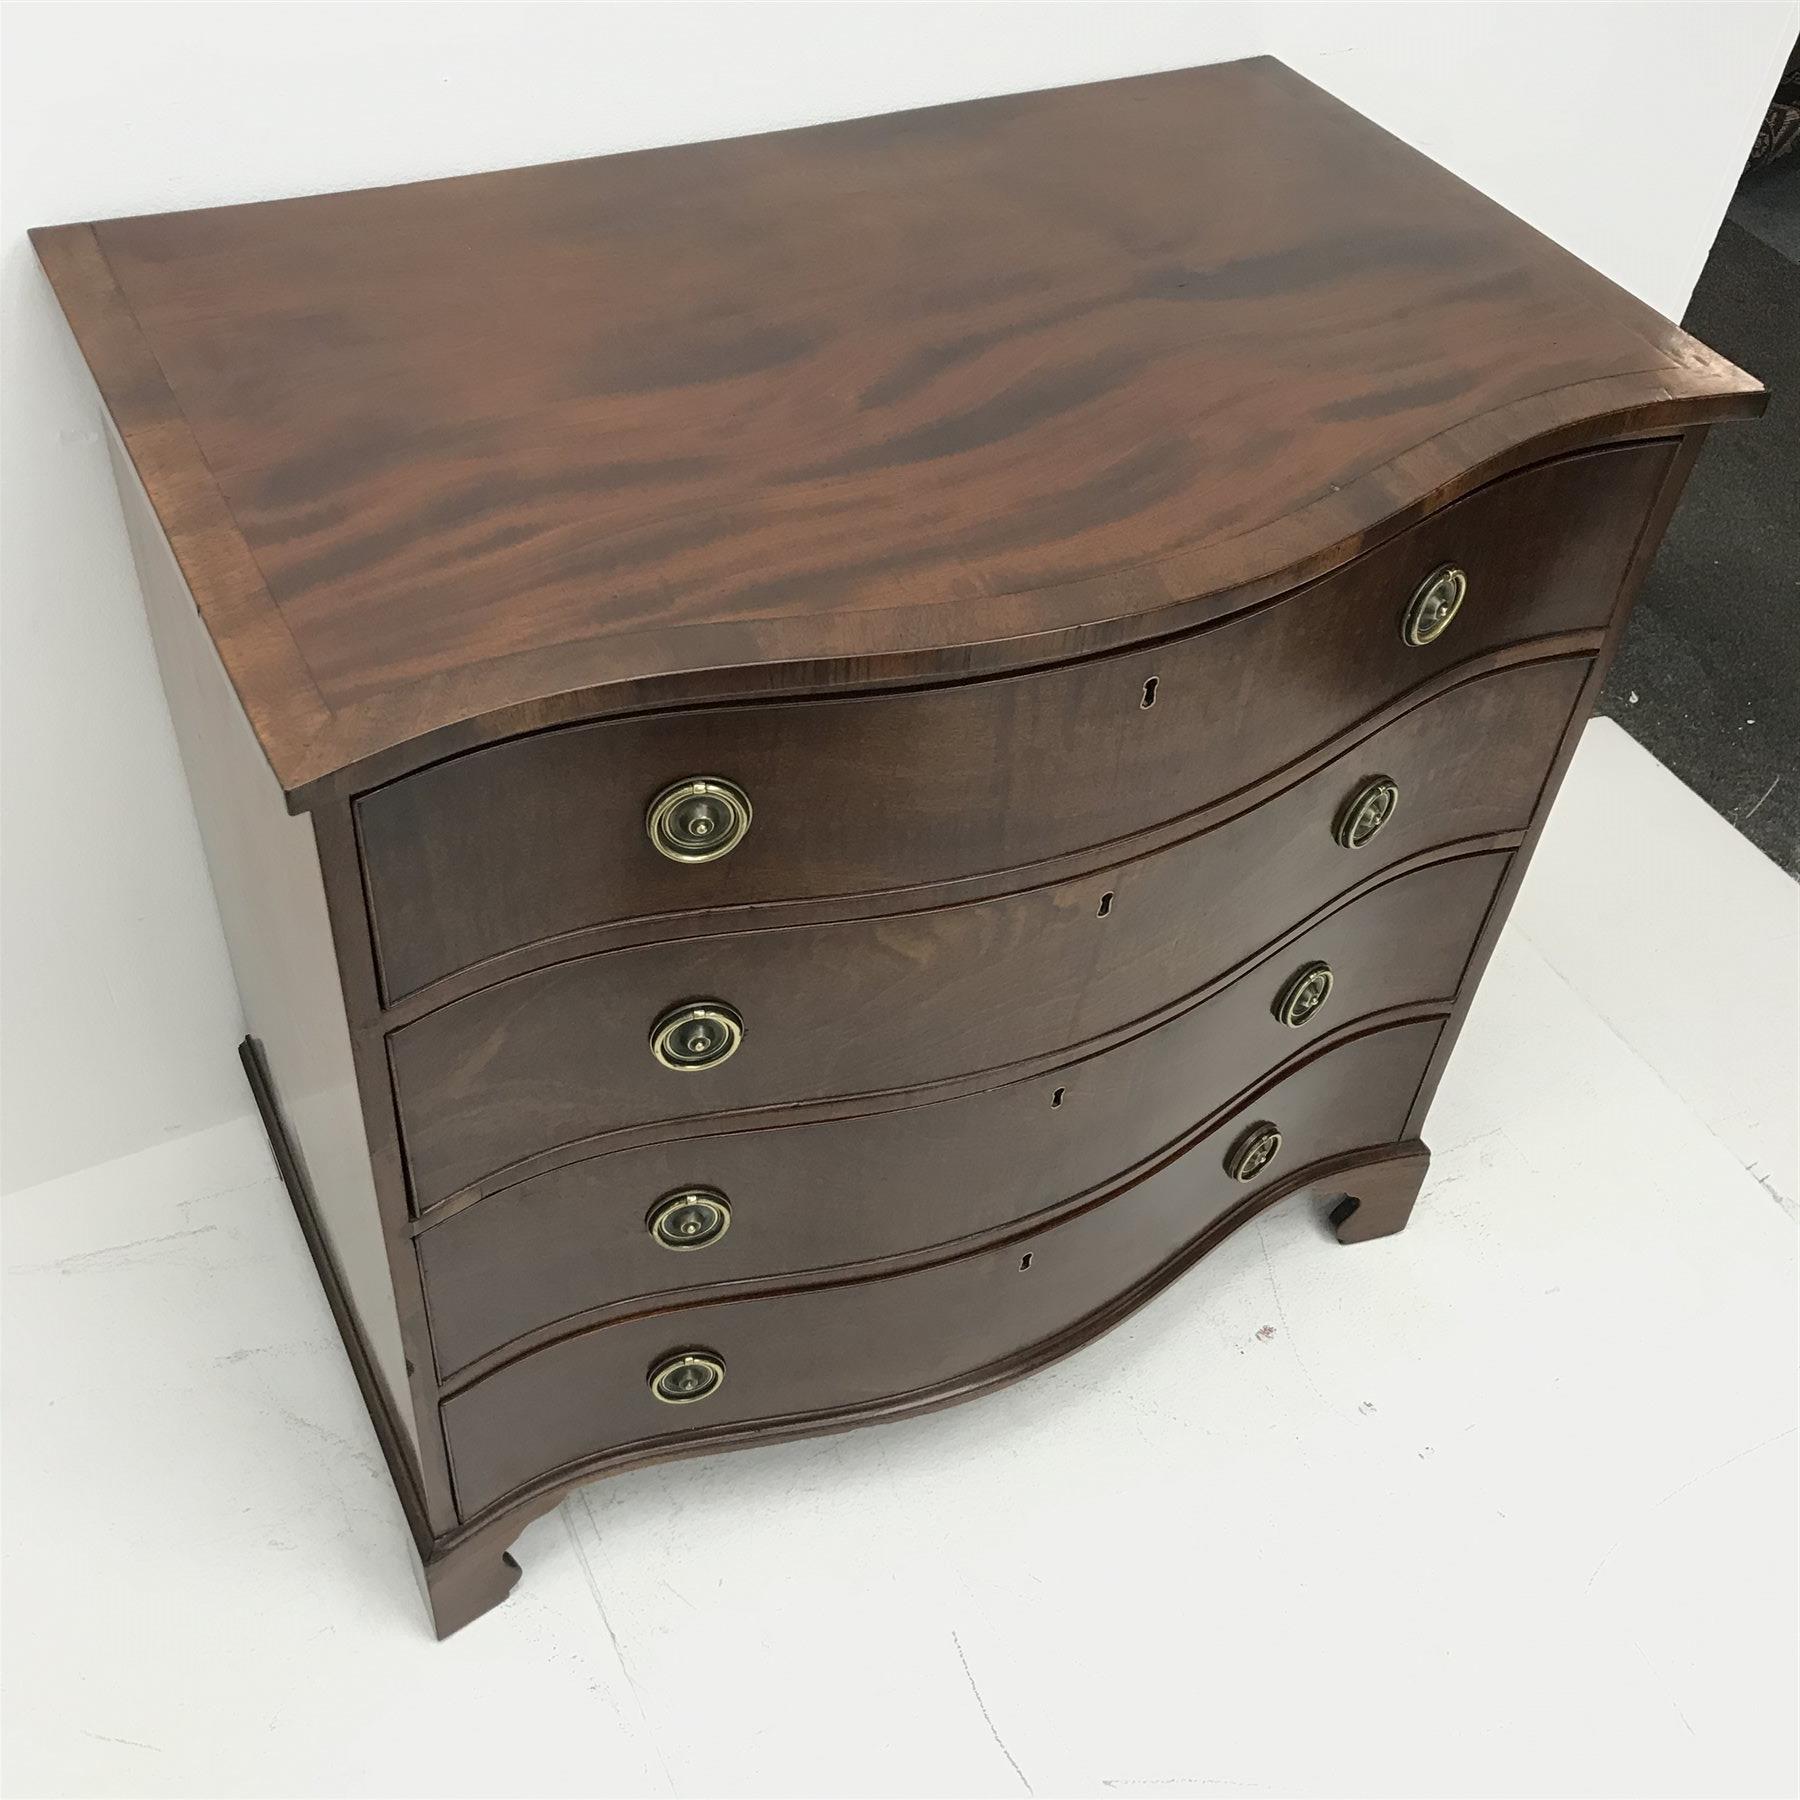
<point>1502,1506</point>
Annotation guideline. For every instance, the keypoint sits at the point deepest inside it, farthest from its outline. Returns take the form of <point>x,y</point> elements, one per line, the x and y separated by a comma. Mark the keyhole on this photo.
<point>1149,698</point>
<point>1025,1261</point>
<point>1105,904</point>
<point>1056,1098</point>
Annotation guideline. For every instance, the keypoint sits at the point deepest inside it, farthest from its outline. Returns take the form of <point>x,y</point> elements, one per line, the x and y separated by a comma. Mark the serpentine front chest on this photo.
<point>827,756</point>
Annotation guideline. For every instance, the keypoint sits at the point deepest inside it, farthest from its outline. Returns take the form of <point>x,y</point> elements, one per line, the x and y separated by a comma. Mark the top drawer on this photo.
<point>545,835</point>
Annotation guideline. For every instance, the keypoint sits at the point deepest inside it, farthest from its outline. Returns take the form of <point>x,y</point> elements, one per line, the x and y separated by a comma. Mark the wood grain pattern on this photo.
<point>811,1198</point>
<point>540,837</point>
<point>977,387</point>
<point>561,1056</point>
<point>824,1349</point>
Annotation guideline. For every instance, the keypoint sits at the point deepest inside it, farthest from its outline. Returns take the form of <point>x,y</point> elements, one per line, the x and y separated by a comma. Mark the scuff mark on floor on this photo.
<point>106,1738</point>
<point>987,1716</point>
<point>1784,1201</point>
<point>113,1255</point>
<point>587,1570</point>
<point>1705,1474</point>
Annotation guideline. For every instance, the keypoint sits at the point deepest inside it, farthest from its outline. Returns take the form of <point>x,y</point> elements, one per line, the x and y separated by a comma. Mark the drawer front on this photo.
<point>546,835</point>
<point>562,1055</point>
<point>819,1351</point>
<point>815,1196</point>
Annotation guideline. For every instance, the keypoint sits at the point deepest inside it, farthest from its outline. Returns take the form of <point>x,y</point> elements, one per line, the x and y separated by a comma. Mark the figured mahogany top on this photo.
<point>899,399</point>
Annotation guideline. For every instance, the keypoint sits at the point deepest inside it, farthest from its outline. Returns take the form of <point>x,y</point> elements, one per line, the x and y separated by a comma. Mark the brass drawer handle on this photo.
<point>1305,992</point>
<point>1430,610</point>
<point>690,1219</point>
<point>699,1035</point>
<point>698,820</point>
<point>684,1376</point>
<point>1366,811</point>
<point>1253,1152</point>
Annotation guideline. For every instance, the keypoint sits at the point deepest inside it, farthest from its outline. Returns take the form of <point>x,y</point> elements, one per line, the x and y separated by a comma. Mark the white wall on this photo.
<point>1619,129</point>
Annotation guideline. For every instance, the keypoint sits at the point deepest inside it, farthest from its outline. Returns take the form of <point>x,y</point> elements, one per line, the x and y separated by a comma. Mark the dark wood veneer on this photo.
<point>881,467</point>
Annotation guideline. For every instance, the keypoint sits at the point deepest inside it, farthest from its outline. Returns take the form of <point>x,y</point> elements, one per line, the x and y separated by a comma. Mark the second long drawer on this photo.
<point>546,1061</point>
<point>878,1185</point>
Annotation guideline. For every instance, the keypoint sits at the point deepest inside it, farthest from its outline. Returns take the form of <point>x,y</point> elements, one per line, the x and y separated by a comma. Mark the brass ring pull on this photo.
<point>1305,992</point>
<point>1430,610</point>
<point>690,1219</point>
<point>1253,1152</point>
<point>699,1035</point>
<point>684,1376</point>
<point>698,820</point>
<point>1366,811</point>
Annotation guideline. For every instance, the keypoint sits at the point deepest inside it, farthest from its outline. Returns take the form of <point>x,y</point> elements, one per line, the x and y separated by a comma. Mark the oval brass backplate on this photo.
<point>698,1035</point>
<point>690,1219</point>
<point>1432,607</point>
<point>1304,993</point>
<point>1253,1151</point>
<point>1366,811</point>
<point>684,1376</point>
<point>698,820</point>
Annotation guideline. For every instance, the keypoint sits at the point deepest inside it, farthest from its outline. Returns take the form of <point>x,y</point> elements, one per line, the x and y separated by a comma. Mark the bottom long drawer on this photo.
<point>821,1352</point>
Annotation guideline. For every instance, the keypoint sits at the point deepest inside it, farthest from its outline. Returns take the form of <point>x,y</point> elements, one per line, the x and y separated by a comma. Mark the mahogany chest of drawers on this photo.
<point>825,757</point>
